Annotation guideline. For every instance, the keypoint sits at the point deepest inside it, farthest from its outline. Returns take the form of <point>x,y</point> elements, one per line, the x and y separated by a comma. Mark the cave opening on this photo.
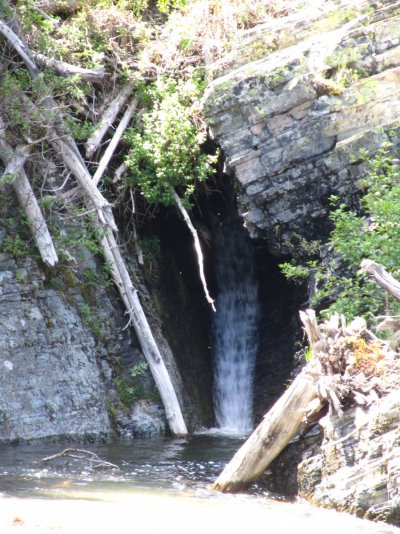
<point>188,319</point>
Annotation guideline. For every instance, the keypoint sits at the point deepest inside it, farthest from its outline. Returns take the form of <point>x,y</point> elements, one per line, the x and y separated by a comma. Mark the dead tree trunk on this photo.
<point>272,435</point>
<point>66,147</point>
<point>304,398</point>
<point>14,161</point>
<point>66,69</point>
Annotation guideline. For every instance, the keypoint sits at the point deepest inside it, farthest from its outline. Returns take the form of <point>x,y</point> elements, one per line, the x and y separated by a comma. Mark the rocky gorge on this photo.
<point>291,106</point>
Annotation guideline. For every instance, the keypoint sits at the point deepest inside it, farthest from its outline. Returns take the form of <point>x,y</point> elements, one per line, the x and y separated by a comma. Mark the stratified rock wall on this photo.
<point>291,122</point>
<point>50,381</point>
<point>357,466</point>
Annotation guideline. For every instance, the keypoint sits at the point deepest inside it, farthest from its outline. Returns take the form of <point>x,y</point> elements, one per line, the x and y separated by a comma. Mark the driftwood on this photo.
<point>66,69</point>
<point>67,149</point>
<point>14,161</point>
<point>381,277</point>
<point>108,118</point>
<point>279,426</point>
<point>119,132</point>
<point>88,458</point>
<point>348,362</point>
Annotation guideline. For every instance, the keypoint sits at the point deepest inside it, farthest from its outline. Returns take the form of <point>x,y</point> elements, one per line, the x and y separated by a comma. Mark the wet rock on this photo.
<point>144,420</point>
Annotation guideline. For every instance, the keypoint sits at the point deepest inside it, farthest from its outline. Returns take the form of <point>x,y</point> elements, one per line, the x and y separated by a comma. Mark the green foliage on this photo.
<point>130,389</point>
<point>292,271</point>
<point>139,369</point>
<point>140,7</point>
<point>90,319</point>
<point>15,246</point>
<point>308,354</point>
<point>166,145</point>
<point>373,234</point>
<point>78,232</point>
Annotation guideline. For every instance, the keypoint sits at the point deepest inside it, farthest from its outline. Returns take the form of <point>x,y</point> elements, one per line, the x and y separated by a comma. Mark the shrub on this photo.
<point>166,144</point>
<point>373,233</point>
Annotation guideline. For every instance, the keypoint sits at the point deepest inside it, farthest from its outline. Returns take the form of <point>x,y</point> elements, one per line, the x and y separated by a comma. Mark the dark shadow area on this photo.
<point>172,276</point>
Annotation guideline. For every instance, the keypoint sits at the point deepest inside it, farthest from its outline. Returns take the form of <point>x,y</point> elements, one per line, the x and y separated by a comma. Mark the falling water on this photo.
<point>235,329</point>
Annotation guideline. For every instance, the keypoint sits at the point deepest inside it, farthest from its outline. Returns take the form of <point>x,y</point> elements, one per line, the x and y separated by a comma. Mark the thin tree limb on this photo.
<point>108,118</point>
<point>108,154</point>
<point>197,246</point>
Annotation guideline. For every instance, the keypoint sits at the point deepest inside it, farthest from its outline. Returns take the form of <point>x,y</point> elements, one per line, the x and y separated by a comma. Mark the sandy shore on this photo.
<point>171,514</point>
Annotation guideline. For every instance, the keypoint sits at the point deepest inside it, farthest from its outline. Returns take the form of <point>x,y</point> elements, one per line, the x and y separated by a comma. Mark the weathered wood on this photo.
<point>197,246</point>
<point>66,69</point>
<point>381,277</point>
<point>119,173</point>
<point>57,6</point>
<point>67,149</point>
<point>91,459</point>
<point>143,331</point>
<point>119,132</point>
<point>14,161</point>
<point>272,435</point>
<point>20,47</point>
<point>108,118</point>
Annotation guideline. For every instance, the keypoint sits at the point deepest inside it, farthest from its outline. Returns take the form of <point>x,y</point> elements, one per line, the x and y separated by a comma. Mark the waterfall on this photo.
<point>234,328</point>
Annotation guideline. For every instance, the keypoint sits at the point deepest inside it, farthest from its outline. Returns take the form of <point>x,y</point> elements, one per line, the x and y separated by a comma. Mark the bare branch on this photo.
<point>109,116</point>
<point>66,69</point>
<point>20,47</point>
<point>381,277</point>
<point>122,126</point>
<point>197,246</point>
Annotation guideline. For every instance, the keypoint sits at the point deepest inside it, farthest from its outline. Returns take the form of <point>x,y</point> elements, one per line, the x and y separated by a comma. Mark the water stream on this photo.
<point>234,328</point>
<point>162,487</point>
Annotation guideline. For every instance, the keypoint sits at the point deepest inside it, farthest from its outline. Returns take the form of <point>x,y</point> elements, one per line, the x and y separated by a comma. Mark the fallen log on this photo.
<point>60,138</point>
<point>14,161</point>
<point>56,7</point>
<point>343,359</point>
<point>272,435</point>
<point>66,69</point>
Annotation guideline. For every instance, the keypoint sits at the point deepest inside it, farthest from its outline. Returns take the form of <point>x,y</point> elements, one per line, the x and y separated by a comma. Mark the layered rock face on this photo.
<point>50,382</point>
<point>294,103</point>
<point>60,365</point>
<point>357,467</point>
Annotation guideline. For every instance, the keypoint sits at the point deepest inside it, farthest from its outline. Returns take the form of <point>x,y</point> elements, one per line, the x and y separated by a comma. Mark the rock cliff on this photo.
<point>62,361</point>
<point>294,103</point>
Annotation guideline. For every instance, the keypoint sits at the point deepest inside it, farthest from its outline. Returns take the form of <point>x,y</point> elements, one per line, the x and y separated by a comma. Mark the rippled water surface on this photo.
<point>161,487</point>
